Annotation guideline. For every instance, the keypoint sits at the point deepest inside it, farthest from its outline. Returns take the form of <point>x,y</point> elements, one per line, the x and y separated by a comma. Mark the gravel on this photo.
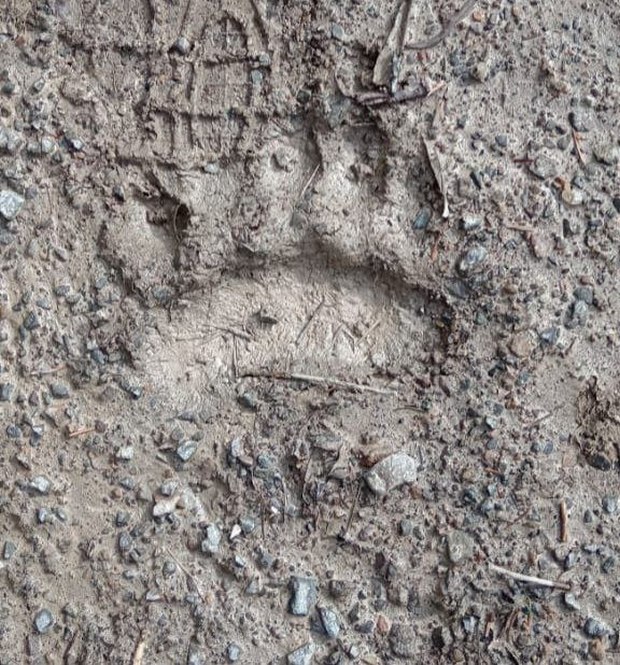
<point>402,639</point>
<point>392,472</point>
<point>330,622</point>
<point>596,628</point>
<point>304,593</point>
<point>186,450</point>
<point>302,655</point>
<point>10,204</point>
<point>460,547</point>
<point>212,540</point>
<point>6,390</point>
<point>43,621</point>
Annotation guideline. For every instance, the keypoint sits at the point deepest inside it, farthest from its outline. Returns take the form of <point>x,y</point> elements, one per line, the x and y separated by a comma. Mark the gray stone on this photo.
<point>421,220</point>
<point>391,472</point>
<point>471,223</point>
<point>402,640</point>
<point>579,121</point>
<point>471,259</point>
<point>247,524</point>
<point>43,621</point>
<point>182,45</point>
<point>337,32</point>
<point>40,484</point>
<point>186,450</point>
<point>211,543</point>
<point>596,628</point>
<point>585,293</point>
<point>9,550</point>
<point>544,167</point>
<point>405,527</point>
<point>303,595</point>
<point>607,153</point>
<point>59,390</point>
<point>6,390</point>
<point>610,504</point>
<point>571,602</point>
<point>330,622</point>
<point>125,454</point>
<point>301,656</point>
<point>460,547</point>
<point>233,652</point>
<point>10,204</point>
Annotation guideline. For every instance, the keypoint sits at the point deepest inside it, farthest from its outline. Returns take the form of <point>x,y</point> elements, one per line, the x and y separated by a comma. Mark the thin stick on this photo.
<point>80,432</point>
<point>138,654</point>
<point>352,510</point>
<point>317,309</point>
<point>527,578</point>
<point>189,575</point>
<point>578,147</point>
<point>563,522</point>
<point>308,183</point>
<point>52,370</point>
<point>323,381</point>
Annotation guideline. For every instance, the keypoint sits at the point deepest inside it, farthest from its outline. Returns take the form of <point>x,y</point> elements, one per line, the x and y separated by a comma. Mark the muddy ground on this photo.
<point>309,331</point>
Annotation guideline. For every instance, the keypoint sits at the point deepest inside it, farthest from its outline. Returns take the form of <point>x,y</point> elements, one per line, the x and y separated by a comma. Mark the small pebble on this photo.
<point>337,32</point>
<point>8,550</point>
<point>460,547</point>
<point>402,639</point>
<point>301,656</point>
<point>59,390</point>
<point>606,153</point>
<point>421,220</point>
<point>40,484</point>
<point>471,223</point>
<point>43,621</point>
<point>165,507</point>
<point>571,602</point>
<point>392,472</point>
<point>329,621</point>
<point>471,259</point>
<point>233,652</point>
<point>579,121</point>
<point>10,204</point>
<point>596,628</point>
<point>211,543</point>
<point>544,167</point>
<point>182,45</point>
<point>610,504</point>
<point>125,454</point>
<point>303,595</point>
<point>186,450</point>
<point>6,390</point>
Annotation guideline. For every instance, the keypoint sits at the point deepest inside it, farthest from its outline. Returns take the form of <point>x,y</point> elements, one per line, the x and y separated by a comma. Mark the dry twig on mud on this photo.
<point>563,522</point>
<point>539,581</point>
<point>322,381</point>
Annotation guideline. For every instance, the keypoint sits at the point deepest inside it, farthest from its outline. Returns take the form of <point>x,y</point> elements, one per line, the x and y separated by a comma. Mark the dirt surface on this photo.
<point>309,331</point>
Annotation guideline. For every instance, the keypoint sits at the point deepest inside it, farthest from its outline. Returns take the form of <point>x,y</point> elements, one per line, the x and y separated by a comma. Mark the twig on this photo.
<point>308,183</point>
<point>316,310</point>
<point>352,510</point>
<point>52,370</point>
<point>138,654</point>
<point>578,149</point>
<point>322,381</point>
<point>563,522</point>
<point>188,574</point>
<point>80,432</point>
<point>447,29</point>
<point>527,578</point>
